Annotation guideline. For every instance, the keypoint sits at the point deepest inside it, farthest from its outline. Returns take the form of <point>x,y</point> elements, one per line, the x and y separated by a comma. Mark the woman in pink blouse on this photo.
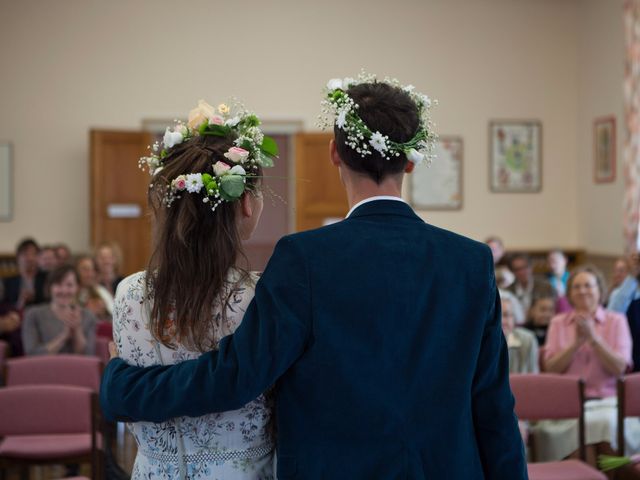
<point>594,344</point>
<point>589,342</point>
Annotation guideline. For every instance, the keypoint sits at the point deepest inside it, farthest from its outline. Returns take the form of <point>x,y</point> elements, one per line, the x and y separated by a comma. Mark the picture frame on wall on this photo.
<point>439,186</point>
<point>604,145</point>
<point>515,156</point>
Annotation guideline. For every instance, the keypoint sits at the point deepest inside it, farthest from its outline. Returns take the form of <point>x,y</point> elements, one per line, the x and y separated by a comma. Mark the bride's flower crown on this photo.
<point>339,109</point>
<point>225,181</point>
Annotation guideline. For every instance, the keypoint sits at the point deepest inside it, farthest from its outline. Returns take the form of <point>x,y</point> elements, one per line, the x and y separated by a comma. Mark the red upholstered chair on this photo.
<point>78,370</point>
<point>102,349</point>
<point>628,405</point>
<point>550,396</point>
<point>42,424</point>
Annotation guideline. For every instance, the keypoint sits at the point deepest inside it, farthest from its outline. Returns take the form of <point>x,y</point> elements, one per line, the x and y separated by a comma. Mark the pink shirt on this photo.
<point>612,327</point>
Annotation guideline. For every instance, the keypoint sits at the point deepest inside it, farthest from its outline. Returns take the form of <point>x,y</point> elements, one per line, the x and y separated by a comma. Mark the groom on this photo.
<point>381,334</point>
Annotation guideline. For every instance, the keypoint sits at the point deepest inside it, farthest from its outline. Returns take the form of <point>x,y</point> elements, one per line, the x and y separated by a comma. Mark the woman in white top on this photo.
<point>205,197</point>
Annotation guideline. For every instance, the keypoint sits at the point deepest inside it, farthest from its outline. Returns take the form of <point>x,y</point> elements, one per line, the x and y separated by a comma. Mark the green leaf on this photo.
<point>265,161</point>
<point>231,187</point>
<point>269,146</point>
<point>217,130</point>
<point>203,127</point>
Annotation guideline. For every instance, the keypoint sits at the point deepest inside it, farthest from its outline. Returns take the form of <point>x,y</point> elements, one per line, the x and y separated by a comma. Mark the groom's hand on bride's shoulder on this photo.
<point>113,351</point>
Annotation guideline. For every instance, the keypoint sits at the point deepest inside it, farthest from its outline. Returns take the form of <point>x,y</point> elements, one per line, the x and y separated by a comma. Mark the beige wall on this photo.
<point>71,65</point>
<point>601,58</point>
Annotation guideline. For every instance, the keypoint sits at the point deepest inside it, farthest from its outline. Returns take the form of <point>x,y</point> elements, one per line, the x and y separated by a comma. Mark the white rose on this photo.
<point>334,84</point>
<point>237,170</point>
<point>415,156</point>
<point>237,155</point>
<point>220,168</point>
<point>171,139</point>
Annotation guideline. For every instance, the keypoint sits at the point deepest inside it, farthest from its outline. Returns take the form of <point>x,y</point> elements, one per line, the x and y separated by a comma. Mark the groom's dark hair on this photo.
<point>388,110</point>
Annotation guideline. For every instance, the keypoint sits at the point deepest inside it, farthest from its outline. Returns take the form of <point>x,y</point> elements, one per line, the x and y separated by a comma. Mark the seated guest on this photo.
<point>47,259</point>
<point>108,267</point>
<point>633,316</point>
<point>618,274</point>
<point>628,290</point>
<point>518,313</point>
<point>63,254</point>
<point>539,316</point>
<point>504,277</point>
<point>594,344</point>
<point>497,250</point>
<point>91,295</point>
<point>60,326</point>
<point>557,277</point>
<point>526,285</point>
<point>10,326</point>
<point>26,288</point>
<point>523,347</point>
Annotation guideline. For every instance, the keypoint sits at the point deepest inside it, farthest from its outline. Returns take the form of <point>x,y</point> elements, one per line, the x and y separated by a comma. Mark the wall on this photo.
<point>72,65</point>
<point>601,55</point>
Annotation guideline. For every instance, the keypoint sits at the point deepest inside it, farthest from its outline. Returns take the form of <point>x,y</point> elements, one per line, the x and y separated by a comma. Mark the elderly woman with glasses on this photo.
<point>595,344</point>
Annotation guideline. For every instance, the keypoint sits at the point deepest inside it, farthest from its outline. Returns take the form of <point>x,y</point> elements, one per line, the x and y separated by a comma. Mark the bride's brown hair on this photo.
<point>194,250</point>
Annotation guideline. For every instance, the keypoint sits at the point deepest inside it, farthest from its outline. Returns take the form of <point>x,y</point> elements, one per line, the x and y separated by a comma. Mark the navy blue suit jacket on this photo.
<point>382,335</point>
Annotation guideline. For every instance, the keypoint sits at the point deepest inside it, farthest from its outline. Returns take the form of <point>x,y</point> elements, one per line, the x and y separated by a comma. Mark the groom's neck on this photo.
<point>360,188</point>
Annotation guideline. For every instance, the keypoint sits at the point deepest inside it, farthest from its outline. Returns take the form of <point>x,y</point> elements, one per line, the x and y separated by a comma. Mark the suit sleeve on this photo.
<point>272,335</point>
<point>496,426</point>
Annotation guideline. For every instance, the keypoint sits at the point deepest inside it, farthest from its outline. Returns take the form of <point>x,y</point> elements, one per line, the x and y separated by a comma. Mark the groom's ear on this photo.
<point>409,168</point>
<point>334,156</point>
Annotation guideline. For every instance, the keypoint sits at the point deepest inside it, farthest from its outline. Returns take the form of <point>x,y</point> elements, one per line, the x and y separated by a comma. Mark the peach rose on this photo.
<point>198,115</point>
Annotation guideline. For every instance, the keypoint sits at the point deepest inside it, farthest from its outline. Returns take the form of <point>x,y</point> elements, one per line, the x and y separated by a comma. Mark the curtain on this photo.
<point>631,149</point>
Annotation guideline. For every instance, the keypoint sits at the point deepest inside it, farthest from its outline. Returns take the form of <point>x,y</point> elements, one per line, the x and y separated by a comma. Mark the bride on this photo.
<point>205,197</point>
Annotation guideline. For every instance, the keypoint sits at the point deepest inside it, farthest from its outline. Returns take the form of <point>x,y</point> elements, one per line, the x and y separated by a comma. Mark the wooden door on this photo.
<point>320,195</point>
<point>119,210</point>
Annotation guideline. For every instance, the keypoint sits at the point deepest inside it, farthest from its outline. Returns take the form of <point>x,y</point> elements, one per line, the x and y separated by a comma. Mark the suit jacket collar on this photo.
<point>384,207</point>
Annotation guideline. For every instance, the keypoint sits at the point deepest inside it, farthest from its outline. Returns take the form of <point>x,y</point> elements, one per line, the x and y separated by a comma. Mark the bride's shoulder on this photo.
<point>132,286</point>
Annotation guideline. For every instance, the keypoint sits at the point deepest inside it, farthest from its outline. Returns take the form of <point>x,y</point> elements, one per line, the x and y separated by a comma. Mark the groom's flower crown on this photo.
<point>225,181</point>
<point>340,110</point>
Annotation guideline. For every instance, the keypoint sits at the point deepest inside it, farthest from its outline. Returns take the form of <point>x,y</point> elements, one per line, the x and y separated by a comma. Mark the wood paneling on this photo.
<point>116,179</point>
<point>319,192</point>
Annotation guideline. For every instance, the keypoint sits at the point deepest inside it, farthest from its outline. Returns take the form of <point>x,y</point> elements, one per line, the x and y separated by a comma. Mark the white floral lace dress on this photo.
<point>234,445</point>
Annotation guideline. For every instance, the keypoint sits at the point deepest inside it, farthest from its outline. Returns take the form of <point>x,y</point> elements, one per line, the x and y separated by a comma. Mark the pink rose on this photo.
<point>220,168</point>
<point>216,120</point>
<point>180,182</point>
<point>237,155</point>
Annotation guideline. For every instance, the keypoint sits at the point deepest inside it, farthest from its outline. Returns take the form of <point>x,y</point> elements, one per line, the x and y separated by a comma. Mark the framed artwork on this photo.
<point>6,182</point>
<point>604,141</point>
<point>515,156</point>
<point>439,187</point>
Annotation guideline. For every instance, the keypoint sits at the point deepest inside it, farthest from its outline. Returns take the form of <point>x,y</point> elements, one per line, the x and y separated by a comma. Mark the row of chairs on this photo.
<point>49,412</point>
<point>555,397</point>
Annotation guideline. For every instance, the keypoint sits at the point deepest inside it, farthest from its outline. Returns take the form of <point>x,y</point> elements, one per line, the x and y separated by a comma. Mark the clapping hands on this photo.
<point>585,330</point>
<point>70,317</point>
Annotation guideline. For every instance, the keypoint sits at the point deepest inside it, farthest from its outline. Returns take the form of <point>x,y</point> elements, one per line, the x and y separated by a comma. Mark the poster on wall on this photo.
<point>6,186</point>
<point>439,186</point>
<point>515,156</point>
<point>604,140</point>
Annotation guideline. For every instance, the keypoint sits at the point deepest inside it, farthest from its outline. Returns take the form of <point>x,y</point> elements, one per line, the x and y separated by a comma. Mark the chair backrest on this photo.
<point>547,396</point>
<point>102,349</point>
<point>4,352</point>
<point>47,409</point>
<point>628,403</point>
<point>78,370</point>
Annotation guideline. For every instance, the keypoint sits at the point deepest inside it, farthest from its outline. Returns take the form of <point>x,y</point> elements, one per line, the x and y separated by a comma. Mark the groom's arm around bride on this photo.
<point>381,333</point>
